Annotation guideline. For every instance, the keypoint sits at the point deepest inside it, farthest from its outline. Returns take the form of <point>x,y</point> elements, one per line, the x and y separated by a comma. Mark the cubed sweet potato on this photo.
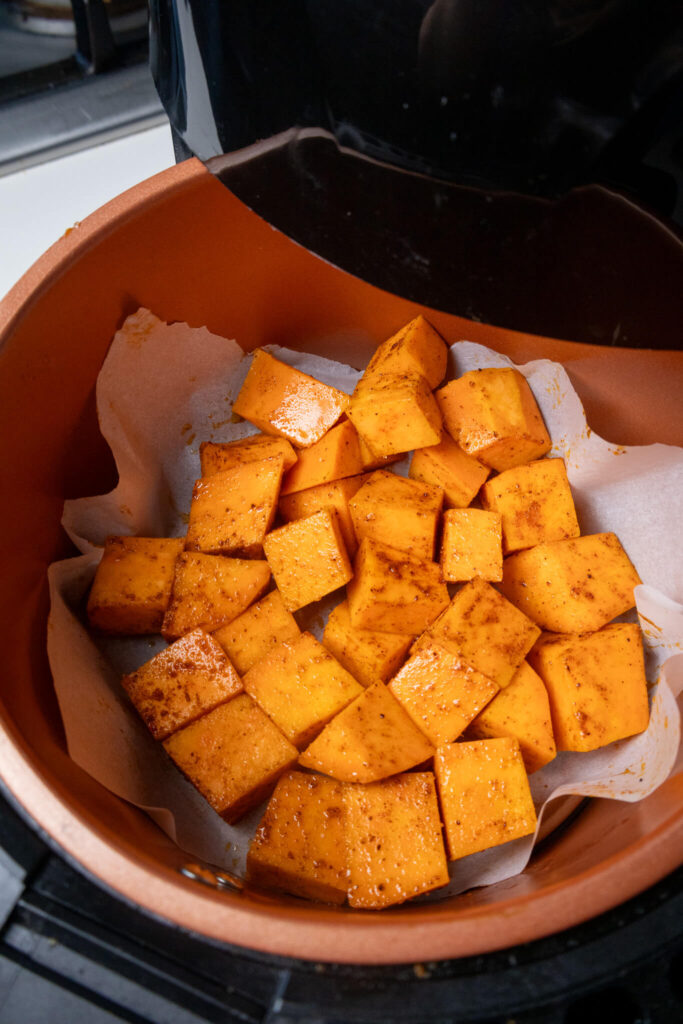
<point>571,586</point>
<point>440,692</point>
<point>484,794</point>
<point>401,513</point>
<point>535,503</point>
<point>370,739</point>
<point>416,348</point>
<point>522,711</point>
<point>254,633</point>
<point>471,545</point>
<point>596,684</point>
<point>234,755</point>
<point>210,591</point>
<point>217,457</point>
<point>369,656</point>
<point>447,466</point>
<point>333,497</point>
<point>301,686</point>
<point>132,585</point>
<point>393,591</point>
<point>395,846</point>
<point>308,559</point>
<point>395,413</point>
<point>280,400</point>
<point>493,415</point>
<point>335,456</point>
<point>182,682</point>
<point>300,844</point>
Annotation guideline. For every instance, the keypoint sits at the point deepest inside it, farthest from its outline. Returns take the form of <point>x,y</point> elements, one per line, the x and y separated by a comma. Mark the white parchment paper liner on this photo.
<point>165,388</point>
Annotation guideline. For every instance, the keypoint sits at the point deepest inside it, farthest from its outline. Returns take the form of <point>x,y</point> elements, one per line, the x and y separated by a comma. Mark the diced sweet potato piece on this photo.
<point>179,684</point>
<point>217,457</point>
<point>254,633</point>
<point>416,348</point>
<point>447,466</point>
<point>571,586</point>
<point>211,590</point>
<point>535,503</point>
<point>493,415</point>
<point>301,686</point>
<point>234,756</point>
<point>132,585</point>
<point>367,655</point>
<point>393,591</point>
<point>440,692</point>
<point>484,794</point>
<point>300,844</point>
<point>596,684</point>
<point>231,512</point>
<point>333,497</point>
<point>471,545</point>
<point>280,400</point>
<point>308,559</point>
<point>370,739</point>
<point>334,456</point>
<point>395,413</point>
<point>395,846</point>
<point>371,461</point>
<point>401,513</point>
<point>487,631</point>
<point>522,711</point>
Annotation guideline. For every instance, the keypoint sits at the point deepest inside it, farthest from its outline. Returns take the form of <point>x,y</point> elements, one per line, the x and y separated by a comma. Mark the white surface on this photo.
<point>38,204</point>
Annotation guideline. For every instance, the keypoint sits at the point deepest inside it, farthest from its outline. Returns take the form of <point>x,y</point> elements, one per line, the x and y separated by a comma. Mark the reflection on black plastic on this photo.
<point>513,104</point>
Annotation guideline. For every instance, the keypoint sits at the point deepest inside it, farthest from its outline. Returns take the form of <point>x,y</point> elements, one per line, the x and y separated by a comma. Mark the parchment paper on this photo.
<point>165,388</point>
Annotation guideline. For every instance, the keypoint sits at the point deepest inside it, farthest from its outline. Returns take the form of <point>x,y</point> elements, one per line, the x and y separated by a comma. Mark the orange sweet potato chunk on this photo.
<point>182,682</point>
<point>308,559</point>
<point>280,400</point>
<point>300,686</point>
<point>333,497</point>
<point>399,512</point>
<point>211,590</point>
<point>370,739</point>
<point>369,656</point>
<point>395,846</point>
<point>493,416</point>
<point>395,413</point>
<point>254,633</point>
<point>334,456</point>
<point>132,585</point>
<point>416,348</point>
<point>484,794</point>
<point>522,711</point>
<point>300,844</point>
<point>471,545</point>
<point>447,466</point>
<point>234,755</point>
<point>596,684</point>
<point>217,457</point>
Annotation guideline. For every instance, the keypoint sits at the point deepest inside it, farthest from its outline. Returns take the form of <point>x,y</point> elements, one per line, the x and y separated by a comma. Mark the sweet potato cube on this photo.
<point>301,686</point>
<point>484,793</point>
<point>211,590</point>
<point>371,461</point>
<point>308,559</point>
<point>280,400</point>
<point>300,844</point>
<point>571,586</point>
<point>596,684</point>
<point>393,591</point>
<point>487,631</point>
<point>132,585</point>
<point>231,512</point>
<point>370,739</point>
<point>493,415</point>
<point>471,545</point>
<point>522,711</point>
<point>447,466</point>
<point>440,692</point>
<point>254,633</point>
<point>182,682</point>
<point>395,845</point>
<point>395,413</point>
<point>334,456</point>
<point>416,348</point>
<point>401,513</point>
<point>234,756</point>
<point>333,497</point>
<point>217,457</point>
<point>535,503</point>
<point>367,655</point>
